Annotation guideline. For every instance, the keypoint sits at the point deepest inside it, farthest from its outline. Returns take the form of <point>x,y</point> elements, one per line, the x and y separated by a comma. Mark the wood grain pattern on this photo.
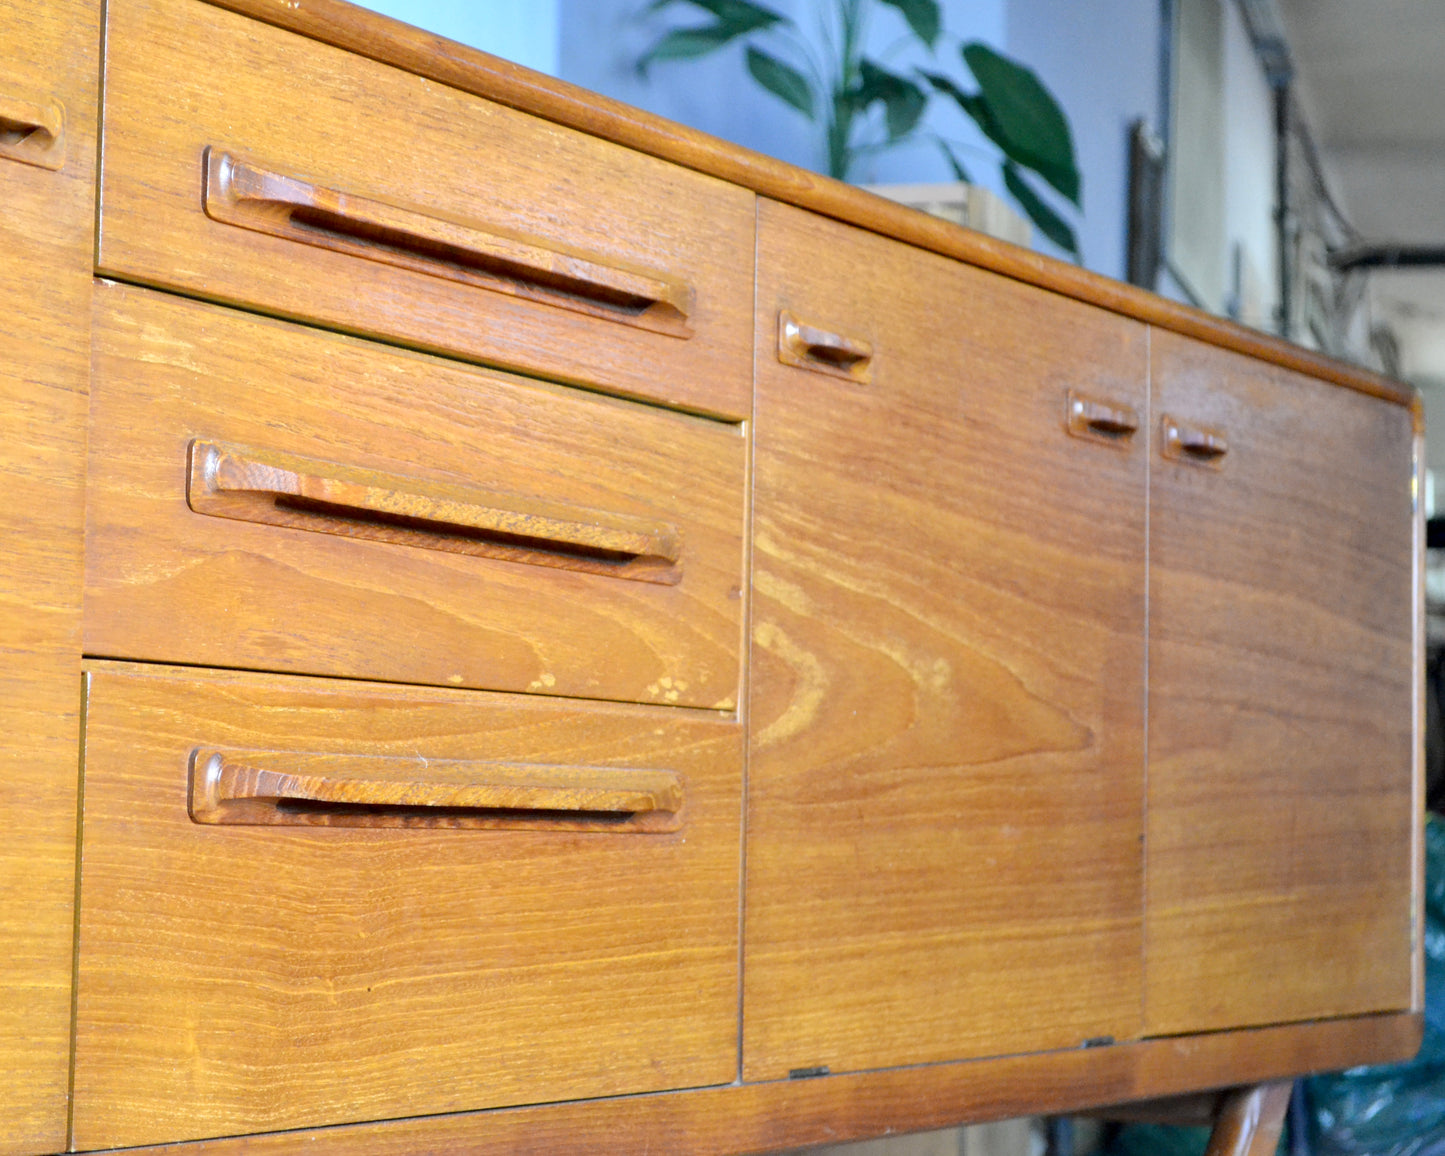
<point>290,788</point>
<point>379,38</point>
<point>241,979</point>
<point>166,583</point>
<point>767,1117</point>
<point>32,127</point>
<point>47,60</point>
<point>808,347</point>
<point>946,748</point>
<point>469,252</point>
<point>948,708</point>
<point>277,489</point>
<point>1103,419</point>
<point>183,77</point>
<point>1281,794</point>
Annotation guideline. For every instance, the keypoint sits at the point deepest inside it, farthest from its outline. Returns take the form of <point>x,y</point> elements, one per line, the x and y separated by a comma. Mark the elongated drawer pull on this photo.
<point>32,132</point>
<point>286,788</point>
<point>240,194</point>
<point>285,490</point>
<point>808,347</point>
<point>1110,421</point>
<point>1186,442</point>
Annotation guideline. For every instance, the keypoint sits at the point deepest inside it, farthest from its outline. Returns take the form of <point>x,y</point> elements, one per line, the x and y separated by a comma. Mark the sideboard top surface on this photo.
<point>381,38</point>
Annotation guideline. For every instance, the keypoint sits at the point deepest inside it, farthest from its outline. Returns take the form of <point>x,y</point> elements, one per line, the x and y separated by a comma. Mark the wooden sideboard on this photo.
<point>580,636</point>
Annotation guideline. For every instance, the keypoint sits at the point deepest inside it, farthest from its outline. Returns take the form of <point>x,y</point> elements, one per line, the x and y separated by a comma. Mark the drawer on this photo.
<point>254,166</point>
<point>249,975</point>
<point>271,497</point>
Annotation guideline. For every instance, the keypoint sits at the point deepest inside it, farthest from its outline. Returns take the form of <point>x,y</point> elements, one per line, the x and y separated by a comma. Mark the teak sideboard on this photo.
<point>527,628</point>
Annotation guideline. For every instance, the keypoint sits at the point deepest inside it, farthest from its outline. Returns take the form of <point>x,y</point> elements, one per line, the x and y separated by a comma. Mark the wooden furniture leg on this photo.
<point>1250,1120</point>
<point>1246,1121</point>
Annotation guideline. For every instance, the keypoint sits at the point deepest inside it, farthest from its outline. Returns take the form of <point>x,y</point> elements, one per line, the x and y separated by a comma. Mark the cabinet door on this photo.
<point>48,61</point>
<point>945,785</point>
<point>1280,696</point>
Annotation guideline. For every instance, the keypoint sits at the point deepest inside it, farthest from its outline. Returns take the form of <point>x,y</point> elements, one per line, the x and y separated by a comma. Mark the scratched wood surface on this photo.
<point>946,747</point>
<point>47,62</point>
<point>779,1114</point>
<point>167,583</point>
<point>182,77</point>
<point>1281,812</point>
<point>243,979</point>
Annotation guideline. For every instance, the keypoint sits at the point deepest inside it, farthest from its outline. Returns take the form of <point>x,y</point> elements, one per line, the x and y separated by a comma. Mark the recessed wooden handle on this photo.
<point>1091,417</point>
<point>809,347</point>
<point>240,194</point>
<point>1186,442</point>
<point>285,490</point>
<point>287,788</point>
<point>32,132</point>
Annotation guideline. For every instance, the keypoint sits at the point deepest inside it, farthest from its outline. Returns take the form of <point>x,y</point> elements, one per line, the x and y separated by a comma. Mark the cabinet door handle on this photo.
<point>1199,444</point>
<point>1090,417</point>
<point>280,787</point>
<point>284,490</point>
<point>240,194</point>
<point>32,132</point>
<point>808,347</point>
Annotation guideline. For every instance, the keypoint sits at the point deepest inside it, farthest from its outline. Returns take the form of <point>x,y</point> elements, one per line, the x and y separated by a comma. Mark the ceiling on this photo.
<point>1371,79</point>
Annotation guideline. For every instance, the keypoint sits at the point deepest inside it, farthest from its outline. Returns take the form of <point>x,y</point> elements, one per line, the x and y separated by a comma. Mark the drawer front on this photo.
<point>254,166</point>
<point>266,496</point>
<point>237,978</point>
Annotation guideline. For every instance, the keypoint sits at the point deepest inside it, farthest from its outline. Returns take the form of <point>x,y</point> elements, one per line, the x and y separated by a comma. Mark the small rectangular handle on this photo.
<point>1199,445</point>
<point>1100,420</point>
<point>808,347</point>
<point>32,131</point>
<point>240,194</point>
<point>270,788</point>
<point>280,489</point>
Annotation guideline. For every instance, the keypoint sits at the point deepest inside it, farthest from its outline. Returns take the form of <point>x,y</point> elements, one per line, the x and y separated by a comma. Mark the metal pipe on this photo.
<point>1282,216</point>
<point>1388,257</point>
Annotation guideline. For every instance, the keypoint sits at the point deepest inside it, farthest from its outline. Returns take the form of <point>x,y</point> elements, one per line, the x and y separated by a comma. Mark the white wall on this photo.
<point>1249,173</point>
<point>524,31</point>
<point>1101,59</point>
<point>1221,235</point>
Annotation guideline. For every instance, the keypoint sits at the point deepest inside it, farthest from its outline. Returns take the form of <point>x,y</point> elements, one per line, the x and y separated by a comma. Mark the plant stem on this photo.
<point>842,109</point>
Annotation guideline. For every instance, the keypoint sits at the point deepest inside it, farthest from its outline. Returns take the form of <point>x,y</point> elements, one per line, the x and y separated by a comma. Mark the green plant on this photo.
<point>863,107</point>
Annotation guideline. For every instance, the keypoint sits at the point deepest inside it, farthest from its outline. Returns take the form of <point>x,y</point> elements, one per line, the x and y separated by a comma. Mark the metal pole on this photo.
<point>1282,215</point>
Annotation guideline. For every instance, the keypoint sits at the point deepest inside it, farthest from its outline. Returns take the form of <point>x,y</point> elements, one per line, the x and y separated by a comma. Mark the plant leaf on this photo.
<point>684,44</point>
<point>734,18</point>
<point>1053,226</point>
<point>1031,127</point>
<point>742,14</point>
<point>903,101</point>
<point>973,104</point>
<point>943,84</point>
<point>782,80</point>
<point>959,172</point>
<point>922,17</point>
